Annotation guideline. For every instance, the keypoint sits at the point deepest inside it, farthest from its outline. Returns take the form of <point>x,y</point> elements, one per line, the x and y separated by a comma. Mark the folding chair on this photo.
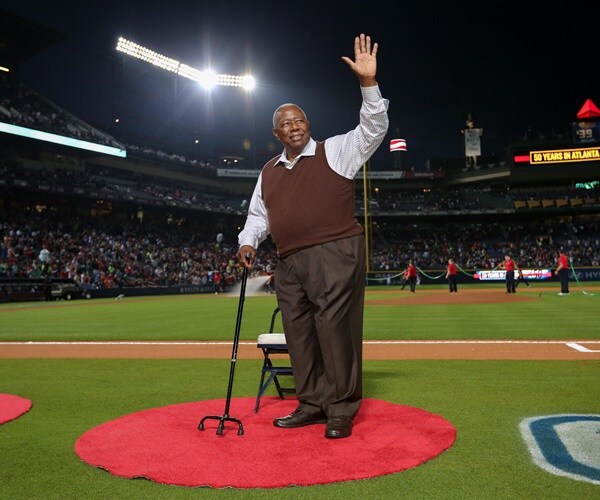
<point>272,343</point>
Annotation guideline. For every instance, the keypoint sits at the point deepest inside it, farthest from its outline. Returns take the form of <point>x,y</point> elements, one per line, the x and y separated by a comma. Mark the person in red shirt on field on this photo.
<point>451,272</point>
<point>562,270</point>
<point>410,276</point>
<point>216,279</point>
<point>509,265</point>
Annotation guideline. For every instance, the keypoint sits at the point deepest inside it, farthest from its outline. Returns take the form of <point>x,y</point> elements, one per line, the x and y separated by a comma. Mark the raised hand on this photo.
<point>364,65</point>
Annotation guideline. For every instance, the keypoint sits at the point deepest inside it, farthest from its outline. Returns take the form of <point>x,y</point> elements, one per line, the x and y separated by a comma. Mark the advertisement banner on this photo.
<point>500,274</point>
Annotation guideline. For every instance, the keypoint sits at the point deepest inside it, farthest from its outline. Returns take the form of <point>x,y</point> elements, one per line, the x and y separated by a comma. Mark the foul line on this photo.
<point>572,344</point>
<point>580,348</point>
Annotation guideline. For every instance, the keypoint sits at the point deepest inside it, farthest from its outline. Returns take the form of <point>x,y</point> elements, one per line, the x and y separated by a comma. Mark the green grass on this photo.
<point>209,317</point>
<point>485,400</point>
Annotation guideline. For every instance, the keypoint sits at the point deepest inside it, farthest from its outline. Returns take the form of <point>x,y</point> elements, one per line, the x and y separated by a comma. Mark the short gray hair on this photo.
<point>285,105</point>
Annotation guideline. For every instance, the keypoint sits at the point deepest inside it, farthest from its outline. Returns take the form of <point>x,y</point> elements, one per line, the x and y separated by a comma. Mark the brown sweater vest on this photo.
<point>309,204</point>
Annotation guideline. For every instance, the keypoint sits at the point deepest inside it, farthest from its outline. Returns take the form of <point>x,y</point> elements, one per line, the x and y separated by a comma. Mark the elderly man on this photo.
<point>304,198</point>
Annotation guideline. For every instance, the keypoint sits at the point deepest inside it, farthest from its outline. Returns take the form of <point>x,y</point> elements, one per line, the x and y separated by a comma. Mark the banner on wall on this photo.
<point>500,274</point>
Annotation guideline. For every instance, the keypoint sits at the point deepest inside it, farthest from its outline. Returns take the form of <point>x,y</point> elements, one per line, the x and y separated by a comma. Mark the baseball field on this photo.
<point>482,359</point>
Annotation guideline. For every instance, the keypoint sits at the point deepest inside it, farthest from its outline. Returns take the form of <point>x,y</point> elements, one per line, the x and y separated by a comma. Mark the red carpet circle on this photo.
<point>12,407</point>
<point>164,445</point>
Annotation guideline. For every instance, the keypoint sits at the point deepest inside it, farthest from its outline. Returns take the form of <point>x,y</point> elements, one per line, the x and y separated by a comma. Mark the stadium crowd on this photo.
<point>111,253</point>
<point>107,253</point>
<point>181,160</point>
<point>22,106</point>
<point>155,190</point>
<point>476,199</point>
<point>533,244</point>
<point>120,184</point>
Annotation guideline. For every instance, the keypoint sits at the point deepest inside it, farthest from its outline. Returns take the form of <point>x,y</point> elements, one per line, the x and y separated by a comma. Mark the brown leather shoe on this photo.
<point>338,427</point>
<point>300,418</point>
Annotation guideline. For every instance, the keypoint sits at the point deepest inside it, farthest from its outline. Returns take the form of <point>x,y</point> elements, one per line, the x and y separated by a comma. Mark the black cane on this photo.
<point>236,339</point>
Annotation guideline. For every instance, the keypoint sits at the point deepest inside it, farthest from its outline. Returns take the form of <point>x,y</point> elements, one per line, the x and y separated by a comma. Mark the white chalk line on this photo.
<point>572,344</point>
<point>578,347</point>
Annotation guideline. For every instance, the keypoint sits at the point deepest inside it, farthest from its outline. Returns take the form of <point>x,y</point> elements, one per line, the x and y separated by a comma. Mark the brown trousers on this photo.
<point>320,291</point>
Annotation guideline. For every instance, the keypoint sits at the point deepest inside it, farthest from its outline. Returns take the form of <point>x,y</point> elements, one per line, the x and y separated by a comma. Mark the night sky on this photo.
<point>513,65</point>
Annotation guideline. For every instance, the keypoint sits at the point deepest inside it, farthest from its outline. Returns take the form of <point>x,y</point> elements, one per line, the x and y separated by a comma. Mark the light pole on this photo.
<point>207,78</point>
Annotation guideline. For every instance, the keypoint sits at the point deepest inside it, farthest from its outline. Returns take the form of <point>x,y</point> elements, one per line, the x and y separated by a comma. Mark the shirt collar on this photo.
<point>309,150</point>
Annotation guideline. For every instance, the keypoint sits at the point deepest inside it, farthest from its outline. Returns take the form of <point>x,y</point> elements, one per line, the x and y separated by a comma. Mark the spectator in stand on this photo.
<point>451,272</point>
<point>44,255</point>
<point>562,271</point>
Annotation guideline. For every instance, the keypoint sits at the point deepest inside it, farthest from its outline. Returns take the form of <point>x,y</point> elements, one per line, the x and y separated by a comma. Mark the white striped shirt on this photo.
<point>345,153</point>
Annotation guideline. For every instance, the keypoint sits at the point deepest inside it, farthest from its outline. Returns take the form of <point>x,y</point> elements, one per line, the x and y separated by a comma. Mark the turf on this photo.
<point>209,317</point>
<point>485,400</point>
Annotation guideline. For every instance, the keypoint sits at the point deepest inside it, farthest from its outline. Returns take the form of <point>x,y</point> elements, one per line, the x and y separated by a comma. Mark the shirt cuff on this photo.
<point>371,93</point>
<point>248,240</point>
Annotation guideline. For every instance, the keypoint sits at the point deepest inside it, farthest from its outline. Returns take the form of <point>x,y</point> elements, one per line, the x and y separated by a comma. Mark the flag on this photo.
<point>397,145</point>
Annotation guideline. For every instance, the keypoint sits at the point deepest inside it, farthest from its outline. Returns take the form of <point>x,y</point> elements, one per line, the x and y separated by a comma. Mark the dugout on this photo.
<point>32,289</point>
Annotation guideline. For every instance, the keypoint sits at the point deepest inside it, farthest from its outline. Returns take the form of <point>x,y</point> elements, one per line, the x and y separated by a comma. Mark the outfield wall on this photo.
<point>437,276</point>
<point>25,290</point>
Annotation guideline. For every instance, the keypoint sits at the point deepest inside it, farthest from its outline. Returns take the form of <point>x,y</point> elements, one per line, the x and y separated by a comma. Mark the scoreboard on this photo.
<point>564,155</point>
<point>585,132</point>
<point>583,148</point>
<point>535,156</point>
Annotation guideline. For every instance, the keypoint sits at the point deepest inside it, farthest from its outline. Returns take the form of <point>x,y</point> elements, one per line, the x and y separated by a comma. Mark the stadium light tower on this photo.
<point>208,79</point>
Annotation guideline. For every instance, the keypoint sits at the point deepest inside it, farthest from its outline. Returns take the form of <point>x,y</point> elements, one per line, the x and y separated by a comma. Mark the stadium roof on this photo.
<point>21,39</point>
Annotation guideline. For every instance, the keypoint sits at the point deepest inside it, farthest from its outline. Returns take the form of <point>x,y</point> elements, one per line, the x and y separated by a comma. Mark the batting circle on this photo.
<point>164,445</point>
<point>12,407</point>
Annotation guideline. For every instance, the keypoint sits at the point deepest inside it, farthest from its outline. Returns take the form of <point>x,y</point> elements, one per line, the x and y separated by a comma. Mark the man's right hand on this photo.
<point>364,65</point>
<point>246,255</point>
